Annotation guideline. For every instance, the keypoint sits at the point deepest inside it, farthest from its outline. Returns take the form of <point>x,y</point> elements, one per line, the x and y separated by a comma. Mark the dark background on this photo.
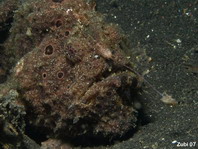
<point>166,33</point>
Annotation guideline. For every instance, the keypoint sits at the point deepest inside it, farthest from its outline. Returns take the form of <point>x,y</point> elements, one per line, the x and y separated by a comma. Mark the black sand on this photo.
<point>167,31</point>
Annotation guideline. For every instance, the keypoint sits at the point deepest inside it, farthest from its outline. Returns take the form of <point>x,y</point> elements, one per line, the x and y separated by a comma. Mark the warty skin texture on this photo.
<point>70,69</point>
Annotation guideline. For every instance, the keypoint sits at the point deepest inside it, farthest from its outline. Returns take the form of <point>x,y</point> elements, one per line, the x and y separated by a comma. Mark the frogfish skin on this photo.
<point>70,69</point>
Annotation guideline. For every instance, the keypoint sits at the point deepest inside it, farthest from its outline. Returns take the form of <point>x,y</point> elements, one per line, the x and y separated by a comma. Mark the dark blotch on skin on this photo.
<point>58,23</point>
<point>66,33</point>
<point>44,75</point>
<point>57,1</point>
<point>60,75</point>
<point>49,50</point>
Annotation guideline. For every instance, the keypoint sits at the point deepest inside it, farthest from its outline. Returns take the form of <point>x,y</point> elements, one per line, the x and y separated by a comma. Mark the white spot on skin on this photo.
<point>69,10</point>
<point>104,52</point>
<point>96,56</point>
<point>29,32</point>
<point>19,67</point>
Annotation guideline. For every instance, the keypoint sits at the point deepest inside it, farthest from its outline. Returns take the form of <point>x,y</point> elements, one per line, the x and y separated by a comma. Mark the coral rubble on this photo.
<point>70,70</point>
